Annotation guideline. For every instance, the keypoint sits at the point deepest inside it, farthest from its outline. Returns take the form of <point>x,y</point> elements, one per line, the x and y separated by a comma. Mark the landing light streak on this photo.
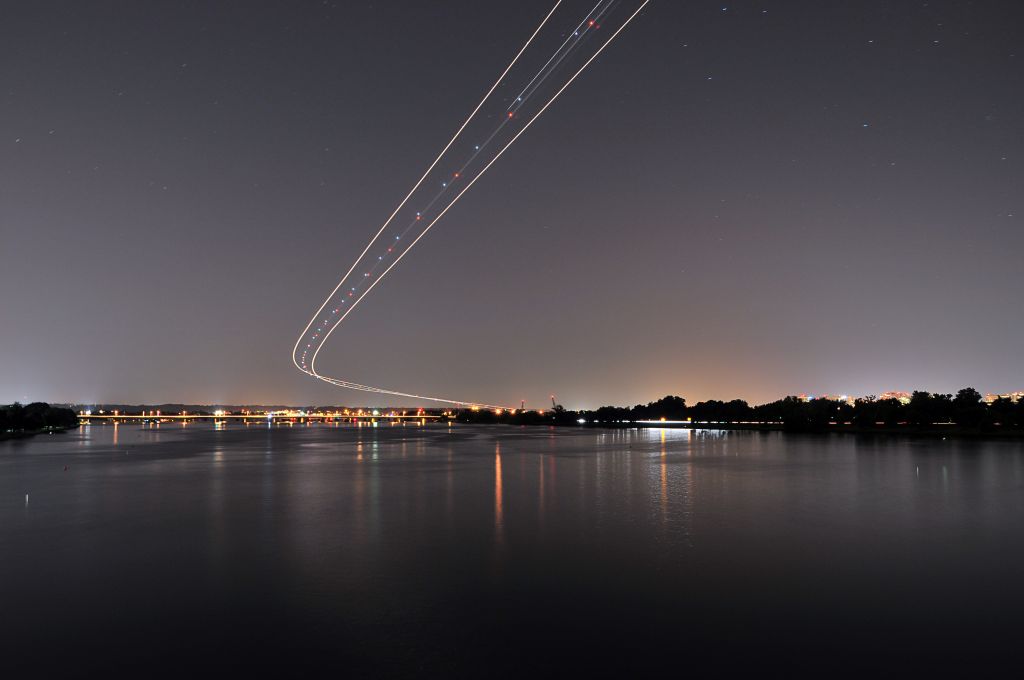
<point>348,303</point>
<point>549,66</point>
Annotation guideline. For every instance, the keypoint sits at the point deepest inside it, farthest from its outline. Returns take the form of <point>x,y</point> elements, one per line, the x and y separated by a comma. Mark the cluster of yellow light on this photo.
<point>1012,396</point>
<point>293,415</point>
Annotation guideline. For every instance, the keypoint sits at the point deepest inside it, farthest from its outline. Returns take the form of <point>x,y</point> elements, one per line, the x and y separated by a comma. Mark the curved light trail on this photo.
<point>327,319</point>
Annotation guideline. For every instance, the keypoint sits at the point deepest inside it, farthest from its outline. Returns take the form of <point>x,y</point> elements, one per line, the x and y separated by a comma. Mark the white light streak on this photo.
<point>357,299</point>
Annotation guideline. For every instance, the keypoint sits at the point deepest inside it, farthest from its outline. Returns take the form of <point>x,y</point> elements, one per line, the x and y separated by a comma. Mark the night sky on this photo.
<point>744,199</point>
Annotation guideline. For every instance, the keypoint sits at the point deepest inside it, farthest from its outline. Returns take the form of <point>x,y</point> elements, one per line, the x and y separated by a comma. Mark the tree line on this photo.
<point>38,416</point>
<point>965,409</point>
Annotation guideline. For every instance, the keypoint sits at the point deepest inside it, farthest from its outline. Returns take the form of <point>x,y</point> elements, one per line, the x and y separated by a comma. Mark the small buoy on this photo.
<point>26,500</point>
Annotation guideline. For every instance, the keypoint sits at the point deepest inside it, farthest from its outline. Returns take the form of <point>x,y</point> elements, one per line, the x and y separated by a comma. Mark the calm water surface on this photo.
<point>487,551</point>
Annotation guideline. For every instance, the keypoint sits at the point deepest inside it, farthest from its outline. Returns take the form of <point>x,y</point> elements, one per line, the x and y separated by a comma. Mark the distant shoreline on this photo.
<point>932,432</point>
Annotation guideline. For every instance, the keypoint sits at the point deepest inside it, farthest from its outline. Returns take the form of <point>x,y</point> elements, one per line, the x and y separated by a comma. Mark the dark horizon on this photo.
<point>900,395</point>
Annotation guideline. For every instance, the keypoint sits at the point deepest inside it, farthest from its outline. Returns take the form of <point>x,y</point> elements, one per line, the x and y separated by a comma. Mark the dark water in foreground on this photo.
<point>485,551</point>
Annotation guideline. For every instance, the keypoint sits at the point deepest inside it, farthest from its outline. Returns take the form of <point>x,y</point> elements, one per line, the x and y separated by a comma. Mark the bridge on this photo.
<point>332,416</point>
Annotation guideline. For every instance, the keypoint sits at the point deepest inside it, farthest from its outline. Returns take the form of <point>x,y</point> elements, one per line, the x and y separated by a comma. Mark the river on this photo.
<point>409,550</point>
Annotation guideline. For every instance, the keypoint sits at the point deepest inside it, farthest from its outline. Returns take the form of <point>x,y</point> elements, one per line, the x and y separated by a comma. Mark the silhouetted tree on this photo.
<point>35,417</point>
<point>670,407</point>
<point>1005,412</point>
<point>922,409</point>
<point>968,408</point>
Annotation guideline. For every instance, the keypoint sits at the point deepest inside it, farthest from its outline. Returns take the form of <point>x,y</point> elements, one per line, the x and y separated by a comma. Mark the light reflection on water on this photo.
<point>499,519</point>
<point>378,540</point>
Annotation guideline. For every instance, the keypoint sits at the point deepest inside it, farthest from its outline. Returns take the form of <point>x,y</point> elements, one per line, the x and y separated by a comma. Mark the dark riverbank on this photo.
<point>923,414</point>
<point>937,431</point>
<point>17,421</point>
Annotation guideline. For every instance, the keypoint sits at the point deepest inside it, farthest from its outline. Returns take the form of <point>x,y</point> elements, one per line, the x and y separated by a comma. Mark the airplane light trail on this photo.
<point>304,357</point>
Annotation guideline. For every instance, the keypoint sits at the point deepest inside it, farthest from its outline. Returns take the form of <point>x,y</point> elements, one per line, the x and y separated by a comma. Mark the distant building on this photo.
<point>902,397</point>
<point>1012,396</point>
<point>845,398</point>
